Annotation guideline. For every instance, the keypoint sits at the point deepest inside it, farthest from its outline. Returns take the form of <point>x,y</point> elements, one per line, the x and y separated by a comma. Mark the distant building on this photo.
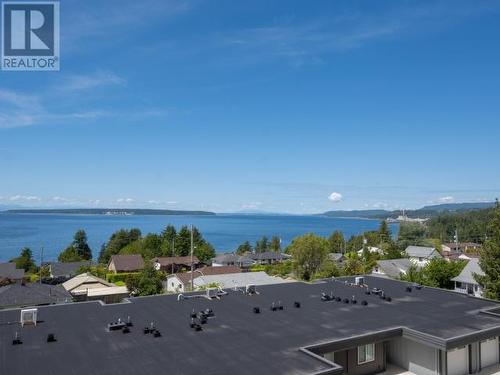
<point>371,250</point>
<point>61,270</point>
<point>337,258</point>
<point>269,257</point>
<point>32,294</point>
<point>10,273</point>
<point>466,283</point>
<point>231,259</point>
<point>421,255</point>
<point>126,263</point>
<point>87,287</point>
<point>174,264</point>
<point>461,247</point>
<point>392,268</point>
<point>181,282</point>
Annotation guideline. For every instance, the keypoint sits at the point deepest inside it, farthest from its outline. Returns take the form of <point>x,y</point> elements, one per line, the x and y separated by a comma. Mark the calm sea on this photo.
<point>225,232</point>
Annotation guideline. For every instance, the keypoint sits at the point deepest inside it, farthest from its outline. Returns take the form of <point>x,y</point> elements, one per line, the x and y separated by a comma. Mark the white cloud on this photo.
<point>25,198</point>
<point>251,205</point>
<point>447,199</point>
<point>125,200</point>
<point>84,82</point>
<point>335,197</point>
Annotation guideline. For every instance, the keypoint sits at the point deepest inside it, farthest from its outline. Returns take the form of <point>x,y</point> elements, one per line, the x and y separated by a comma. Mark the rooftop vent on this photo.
<point>359,280</point>
<point>364,302</point>
<point>276,306</point>
<point>17,339</point>
<point>409,289</point>
<point>256,310</point>
<point>296,304</point>
<point>353,299</point>
<point>126,329</point>
<point>115,326</point>
<point>251,289</point>
<point>195,326</point>
<point>338,299</point>
<point>327,297</point>
<point>129,322</point>
<point>51,337</point>
<point>150,329</point>
<point>418,287</point>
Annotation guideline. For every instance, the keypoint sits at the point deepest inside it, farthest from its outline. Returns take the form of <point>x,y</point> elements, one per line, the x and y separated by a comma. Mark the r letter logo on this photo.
<point>30,35</point>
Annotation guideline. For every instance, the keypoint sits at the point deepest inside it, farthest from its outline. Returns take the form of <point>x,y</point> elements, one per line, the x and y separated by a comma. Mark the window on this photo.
<point>366,353</point>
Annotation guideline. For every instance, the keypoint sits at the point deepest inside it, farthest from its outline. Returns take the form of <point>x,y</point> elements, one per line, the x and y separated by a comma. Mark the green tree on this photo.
<point>25,261</point>
<point>439,272</point>
<point>117,242</point>
<point>354,244</point>
<point>70,254</point>
<point>183,242</point>
<point>262,245</point>
<point>244,248</point>
<point>490,259</point>
<point>336,242</point>
<point>81,245</point>
<point>384,232</point>
<point>275,244</point>
<point>168,241</point>
<point>308,253</point>
<point>145,283</point>
<point>353,266</point>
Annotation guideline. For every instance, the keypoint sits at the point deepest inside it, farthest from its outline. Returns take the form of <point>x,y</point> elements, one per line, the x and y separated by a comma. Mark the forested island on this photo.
<point>109,211</point>
<point>424,212</point>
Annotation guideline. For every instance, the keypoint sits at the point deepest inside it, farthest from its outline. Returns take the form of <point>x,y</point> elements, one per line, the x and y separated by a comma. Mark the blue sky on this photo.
<point>279,106</point>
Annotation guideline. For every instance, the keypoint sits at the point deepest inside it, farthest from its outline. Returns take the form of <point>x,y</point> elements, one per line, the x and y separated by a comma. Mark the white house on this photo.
<point>392,268</point>
<point>466,283</point>
<point>371,250</point>
<point>421,255</point>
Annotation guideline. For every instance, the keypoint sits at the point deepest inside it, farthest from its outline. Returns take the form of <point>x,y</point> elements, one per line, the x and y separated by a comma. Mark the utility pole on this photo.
<point>173,252</point>
<point>41,264</point>
<point>192,250</point>
<point>455,237</point>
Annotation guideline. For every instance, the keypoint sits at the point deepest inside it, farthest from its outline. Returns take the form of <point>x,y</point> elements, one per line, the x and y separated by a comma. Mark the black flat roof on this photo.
<point>236,341</point>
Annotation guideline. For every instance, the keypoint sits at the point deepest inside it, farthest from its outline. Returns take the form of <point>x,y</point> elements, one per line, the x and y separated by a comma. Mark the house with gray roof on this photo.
<point>466,283</point>
<point>32,294</point>
<point>66,270</point>
<point>392,268</point>
<point>421,255</point>
<point>9,272</point>
<point>231,259</point>
<point>269,257</point>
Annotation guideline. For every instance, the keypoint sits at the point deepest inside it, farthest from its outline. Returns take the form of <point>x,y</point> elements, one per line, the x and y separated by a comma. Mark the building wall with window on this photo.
<point>364,360</point>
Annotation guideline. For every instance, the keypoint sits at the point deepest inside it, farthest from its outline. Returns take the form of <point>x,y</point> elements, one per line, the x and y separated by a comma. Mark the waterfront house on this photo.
<point>466,282</point>
<point>393,268</point>
<point>269,257</point>
<point>126,263</point>
<point>175,264</point>
<point>421,255</point>
<point>231,259</point>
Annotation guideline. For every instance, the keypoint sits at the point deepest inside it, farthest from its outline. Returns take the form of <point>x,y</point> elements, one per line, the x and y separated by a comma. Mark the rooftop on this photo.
<point>467,274</point>
<point>130,262</point>
<point>394,267</point>
<point>237,341</point>
<point>420,251</point>
<point>32,294</point>
<point>67,269</point>
<point>9,271</point>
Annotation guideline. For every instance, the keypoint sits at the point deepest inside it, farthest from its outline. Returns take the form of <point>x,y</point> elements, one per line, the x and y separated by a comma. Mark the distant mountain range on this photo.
<point>424,212</point>
<point>107,211</point>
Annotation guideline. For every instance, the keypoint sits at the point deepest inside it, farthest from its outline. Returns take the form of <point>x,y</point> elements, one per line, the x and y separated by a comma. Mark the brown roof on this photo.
<point>185,277</point>
<point>132,262</point>
<point>167,261</point>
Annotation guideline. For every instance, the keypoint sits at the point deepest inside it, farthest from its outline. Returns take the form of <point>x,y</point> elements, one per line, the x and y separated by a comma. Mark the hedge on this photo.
<point>114,277</point>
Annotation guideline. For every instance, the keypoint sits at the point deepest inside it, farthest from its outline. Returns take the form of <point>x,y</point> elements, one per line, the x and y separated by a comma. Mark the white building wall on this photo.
<point>174,285</point>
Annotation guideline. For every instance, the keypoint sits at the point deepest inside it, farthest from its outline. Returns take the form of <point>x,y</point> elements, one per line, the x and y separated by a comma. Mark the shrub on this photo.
<point>116,277</point>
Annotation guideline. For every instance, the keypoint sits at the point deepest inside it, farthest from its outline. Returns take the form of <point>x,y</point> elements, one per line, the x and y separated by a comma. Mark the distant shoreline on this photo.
<point>108,212</point>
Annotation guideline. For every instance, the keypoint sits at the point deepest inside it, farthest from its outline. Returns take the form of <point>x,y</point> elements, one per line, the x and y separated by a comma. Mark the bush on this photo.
<point>258,268</point>
<point>116,277</point>
<point>120,283</point>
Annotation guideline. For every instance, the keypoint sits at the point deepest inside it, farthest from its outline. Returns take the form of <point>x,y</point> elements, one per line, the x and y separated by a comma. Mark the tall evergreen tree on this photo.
<point>245,247</point>
<point>275,244</point>
<point>490,259</point>
<point>384,232</point>
<point>262,245</point>
<point>336,242</point>
<point>81,245</point>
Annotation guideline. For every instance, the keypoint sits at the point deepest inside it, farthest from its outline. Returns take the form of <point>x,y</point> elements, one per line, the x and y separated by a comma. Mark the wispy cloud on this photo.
<point>25,198</point>
<point>447,199</point>
<point>335,197</point>
<point>90,81</point>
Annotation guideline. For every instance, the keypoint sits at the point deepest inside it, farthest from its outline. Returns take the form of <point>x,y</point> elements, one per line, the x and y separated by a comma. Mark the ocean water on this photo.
<point>225,232</point>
